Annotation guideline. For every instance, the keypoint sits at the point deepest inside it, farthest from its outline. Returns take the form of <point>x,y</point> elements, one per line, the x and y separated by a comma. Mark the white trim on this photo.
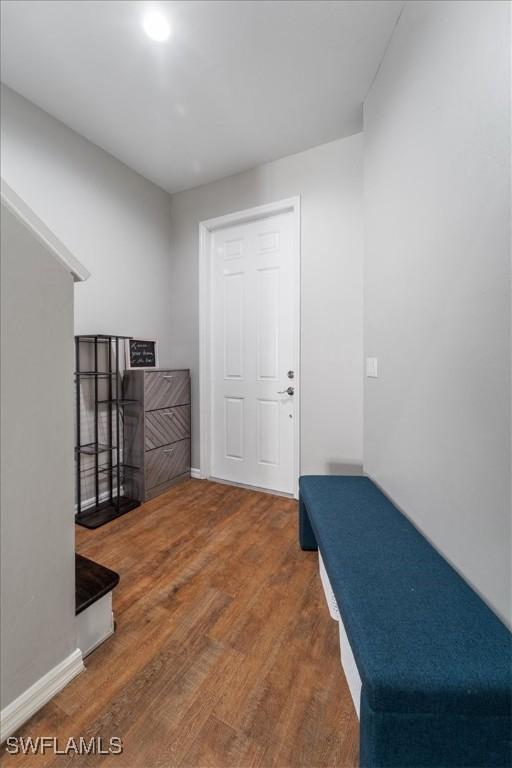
<point>195,473</point>
<point>41,232</point>
<point>258,488</point>
<point>206,229</point>
<point>30,701</point>
<point>291,204</point>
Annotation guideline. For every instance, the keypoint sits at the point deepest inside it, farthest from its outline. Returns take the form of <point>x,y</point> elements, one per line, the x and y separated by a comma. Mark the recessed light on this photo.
<point>156,26</point>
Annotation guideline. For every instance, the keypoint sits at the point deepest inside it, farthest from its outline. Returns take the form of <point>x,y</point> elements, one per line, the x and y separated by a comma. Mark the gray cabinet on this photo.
<point>156,430</point>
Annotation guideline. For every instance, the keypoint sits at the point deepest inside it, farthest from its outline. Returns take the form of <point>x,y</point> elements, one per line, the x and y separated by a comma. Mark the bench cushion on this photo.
<point>422,638</point>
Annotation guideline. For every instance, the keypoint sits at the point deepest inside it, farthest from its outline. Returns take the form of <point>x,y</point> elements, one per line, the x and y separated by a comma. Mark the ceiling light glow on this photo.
<point>156,26</point>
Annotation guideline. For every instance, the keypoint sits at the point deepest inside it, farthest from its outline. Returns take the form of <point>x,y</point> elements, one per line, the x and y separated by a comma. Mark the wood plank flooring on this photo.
<point>224,654</point>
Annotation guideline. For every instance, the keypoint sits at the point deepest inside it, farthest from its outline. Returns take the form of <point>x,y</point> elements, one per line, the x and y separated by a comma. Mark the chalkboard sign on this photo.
<point>141,353</point>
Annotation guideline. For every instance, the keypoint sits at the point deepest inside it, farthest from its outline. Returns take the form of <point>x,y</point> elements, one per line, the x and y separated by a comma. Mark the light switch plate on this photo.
<point>372,367</point>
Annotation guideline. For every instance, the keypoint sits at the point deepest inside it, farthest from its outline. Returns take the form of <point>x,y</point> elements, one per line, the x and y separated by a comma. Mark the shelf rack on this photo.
<point>102,510</point>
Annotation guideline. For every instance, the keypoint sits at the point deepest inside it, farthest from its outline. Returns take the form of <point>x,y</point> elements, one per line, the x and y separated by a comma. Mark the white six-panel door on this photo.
<point>253,347</point>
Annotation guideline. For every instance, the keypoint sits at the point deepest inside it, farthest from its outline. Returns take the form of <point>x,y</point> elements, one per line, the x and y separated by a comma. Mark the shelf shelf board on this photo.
<point>94,517</point>
<point>121,401</point>
<point>113,469</point>
<point>92,448</point>
<point>95,374</point>
<point>102,337</point>
<point>92,582</point>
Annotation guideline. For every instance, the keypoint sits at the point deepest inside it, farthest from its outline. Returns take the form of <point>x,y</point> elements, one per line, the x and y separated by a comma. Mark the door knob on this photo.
<point>287,391</point>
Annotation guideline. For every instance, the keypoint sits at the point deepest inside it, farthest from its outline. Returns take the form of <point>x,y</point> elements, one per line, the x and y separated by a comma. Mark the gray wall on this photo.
<point>141,247</point>
<point>329,180</point>
<point>37,530</point>
<point>437,283</point>
<point>113,220</point>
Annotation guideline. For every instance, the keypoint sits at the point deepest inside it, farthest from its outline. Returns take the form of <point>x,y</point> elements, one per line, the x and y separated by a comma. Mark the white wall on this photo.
<point>437,283</point>
<point>113,220</point>
<point>329,180</point>
<point>37,542</point>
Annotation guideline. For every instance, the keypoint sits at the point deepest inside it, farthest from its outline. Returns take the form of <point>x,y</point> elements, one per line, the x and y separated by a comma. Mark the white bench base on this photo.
<point>347,657</point>
<point>95,624</point>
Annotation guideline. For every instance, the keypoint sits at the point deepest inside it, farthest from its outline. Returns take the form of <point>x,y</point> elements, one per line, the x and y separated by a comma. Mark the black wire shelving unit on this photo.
<point>106,398</point>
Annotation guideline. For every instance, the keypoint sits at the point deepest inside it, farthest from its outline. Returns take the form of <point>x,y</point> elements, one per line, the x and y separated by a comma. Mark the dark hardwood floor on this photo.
<point>224,653</point>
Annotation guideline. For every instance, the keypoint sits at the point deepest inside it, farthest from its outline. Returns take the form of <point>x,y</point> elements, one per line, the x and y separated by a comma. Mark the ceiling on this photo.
<point>237,83</point>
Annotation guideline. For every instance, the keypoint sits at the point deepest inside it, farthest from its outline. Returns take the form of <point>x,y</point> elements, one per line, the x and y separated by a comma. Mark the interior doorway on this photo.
<point>249,367</point>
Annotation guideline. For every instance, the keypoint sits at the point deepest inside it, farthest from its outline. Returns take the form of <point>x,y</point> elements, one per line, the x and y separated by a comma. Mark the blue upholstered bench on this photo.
<point>433,659</point>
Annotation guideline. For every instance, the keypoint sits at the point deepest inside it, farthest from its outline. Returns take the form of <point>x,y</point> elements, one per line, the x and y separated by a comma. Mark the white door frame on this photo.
<point>206,230</point>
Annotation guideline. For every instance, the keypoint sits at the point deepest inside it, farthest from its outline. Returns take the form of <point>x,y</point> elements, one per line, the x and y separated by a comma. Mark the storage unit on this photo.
<point>93,603</point>
<point>426,660</point>
<point>101,466</point>
<point>157,433</point>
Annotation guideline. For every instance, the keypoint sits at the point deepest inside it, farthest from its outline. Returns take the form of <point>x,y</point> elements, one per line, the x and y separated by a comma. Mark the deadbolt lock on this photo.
<point>290,374</point>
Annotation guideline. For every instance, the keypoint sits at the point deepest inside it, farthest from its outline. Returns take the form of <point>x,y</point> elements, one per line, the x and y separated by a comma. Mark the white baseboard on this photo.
<point>258,488</point>
<point>30,701</point>
<point>86,503</point>
<point>196,474</point>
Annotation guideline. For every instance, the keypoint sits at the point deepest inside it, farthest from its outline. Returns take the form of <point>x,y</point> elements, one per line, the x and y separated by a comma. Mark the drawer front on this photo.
<point>163,389</point>
<point>166,426</point>
<point>167,462</point>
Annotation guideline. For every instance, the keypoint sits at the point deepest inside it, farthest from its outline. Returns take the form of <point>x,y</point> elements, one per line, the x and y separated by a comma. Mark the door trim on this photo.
<point>206,230</point>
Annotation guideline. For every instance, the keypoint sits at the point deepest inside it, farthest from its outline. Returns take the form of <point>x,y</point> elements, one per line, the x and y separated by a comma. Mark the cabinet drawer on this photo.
<point>166,388</point>
<point>169,461</point>
<point>166,426</point>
